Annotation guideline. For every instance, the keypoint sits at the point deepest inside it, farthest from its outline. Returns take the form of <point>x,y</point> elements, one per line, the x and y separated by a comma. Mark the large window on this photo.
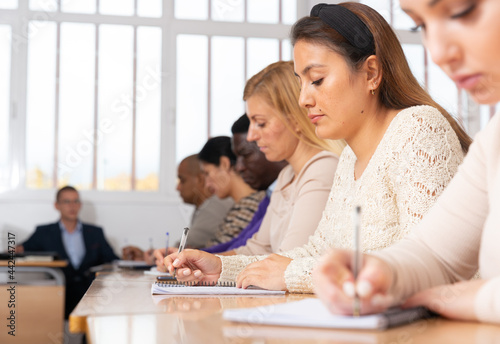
<point>5,66</point>
<point>109,95</point>
<point>219,45</point>
<point>93,101</point>
<point>90,105</point>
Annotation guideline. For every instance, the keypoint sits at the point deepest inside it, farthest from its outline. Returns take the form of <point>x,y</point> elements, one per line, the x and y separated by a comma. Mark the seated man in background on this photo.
<point>208,214</point>
<point>257,172</point>
<point>209,211</point>
<point>83,245</point>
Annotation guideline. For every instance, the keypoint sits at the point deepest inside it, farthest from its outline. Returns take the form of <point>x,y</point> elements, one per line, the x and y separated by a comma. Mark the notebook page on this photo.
<point>154,272</point>
<point>162,289</point>
<point>306,313</point>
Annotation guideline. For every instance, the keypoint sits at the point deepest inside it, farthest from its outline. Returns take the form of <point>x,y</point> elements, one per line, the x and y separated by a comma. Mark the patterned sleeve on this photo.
<point>297,274</point>
<point>428,161</point>
<point>238,217</point>
<point>233,265</point>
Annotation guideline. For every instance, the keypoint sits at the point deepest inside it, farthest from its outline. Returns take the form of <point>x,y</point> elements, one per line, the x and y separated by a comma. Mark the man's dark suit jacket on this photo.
<point>97,251</point>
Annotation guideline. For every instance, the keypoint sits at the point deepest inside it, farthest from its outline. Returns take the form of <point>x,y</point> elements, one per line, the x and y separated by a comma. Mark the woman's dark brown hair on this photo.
<point>398,89</point>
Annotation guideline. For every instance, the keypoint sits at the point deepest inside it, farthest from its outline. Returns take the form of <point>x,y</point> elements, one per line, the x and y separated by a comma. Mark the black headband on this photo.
<point>347,24</point>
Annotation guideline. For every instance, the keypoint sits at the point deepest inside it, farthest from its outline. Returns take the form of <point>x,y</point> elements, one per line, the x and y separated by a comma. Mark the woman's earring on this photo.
<point>373,92</point>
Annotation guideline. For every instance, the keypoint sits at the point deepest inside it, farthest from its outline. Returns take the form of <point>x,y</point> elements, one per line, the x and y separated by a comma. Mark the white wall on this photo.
<point>134,222</point>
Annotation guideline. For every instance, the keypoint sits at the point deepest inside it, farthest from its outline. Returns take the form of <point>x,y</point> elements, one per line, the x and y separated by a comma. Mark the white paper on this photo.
<point>202,290</point>
<point>307,313</point>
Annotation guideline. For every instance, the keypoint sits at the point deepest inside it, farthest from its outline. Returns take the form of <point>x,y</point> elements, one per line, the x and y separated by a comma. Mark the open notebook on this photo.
<point>179,288</point>
<point>154,272</point>
<point>132,264</point>
<point>312,313</point>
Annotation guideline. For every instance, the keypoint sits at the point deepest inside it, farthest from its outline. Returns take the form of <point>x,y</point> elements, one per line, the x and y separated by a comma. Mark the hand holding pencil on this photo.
<point>335,285</point>
<point>194,265</point>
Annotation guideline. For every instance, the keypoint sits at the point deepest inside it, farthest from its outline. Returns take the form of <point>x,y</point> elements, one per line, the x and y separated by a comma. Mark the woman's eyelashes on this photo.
<point>417,28</point>
<point>464,13</point>
<point>459,15</point>
<point>317,82</point>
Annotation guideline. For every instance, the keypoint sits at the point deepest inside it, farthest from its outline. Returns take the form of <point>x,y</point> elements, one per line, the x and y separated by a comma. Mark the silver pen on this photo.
<point>182,244</point>
<point>357,257</point>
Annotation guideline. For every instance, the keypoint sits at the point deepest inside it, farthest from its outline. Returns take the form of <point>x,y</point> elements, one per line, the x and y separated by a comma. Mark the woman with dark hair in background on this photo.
<point>218,160</point>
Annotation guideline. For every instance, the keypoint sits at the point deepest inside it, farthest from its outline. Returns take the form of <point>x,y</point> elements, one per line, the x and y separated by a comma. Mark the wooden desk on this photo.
<point>118,308</point>
<point>52,264</point>
<point>39,308</point>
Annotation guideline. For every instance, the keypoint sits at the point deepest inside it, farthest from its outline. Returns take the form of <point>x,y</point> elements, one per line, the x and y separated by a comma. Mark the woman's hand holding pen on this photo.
<point>335,286</point>
<point>194,265</point>
<point>160,254</point>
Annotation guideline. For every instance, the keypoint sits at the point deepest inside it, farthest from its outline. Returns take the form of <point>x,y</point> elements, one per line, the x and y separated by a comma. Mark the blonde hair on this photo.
<point>278,85</point>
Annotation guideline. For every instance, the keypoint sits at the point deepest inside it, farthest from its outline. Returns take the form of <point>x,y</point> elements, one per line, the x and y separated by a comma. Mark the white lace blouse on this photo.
<point>413,163</point>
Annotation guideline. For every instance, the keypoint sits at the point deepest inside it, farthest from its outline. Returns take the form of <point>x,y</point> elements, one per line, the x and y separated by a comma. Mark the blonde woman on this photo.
<point>281,130</point>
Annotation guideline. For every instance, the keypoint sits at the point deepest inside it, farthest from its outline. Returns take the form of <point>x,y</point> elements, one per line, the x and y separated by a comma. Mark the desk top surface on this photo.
<point>52,264</point>
<point>118,307</point>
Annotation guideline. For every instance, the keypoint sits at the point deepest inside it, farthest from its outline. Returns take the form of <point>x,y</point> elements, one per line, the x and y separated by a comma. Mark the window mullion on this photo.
<point>245,57</point>
<point>391,12</point>
<point>56,105</point>
<point>280,20</point>
<point>209,92</point>
<point>280,12</point>
<point>96,108</point>
<point>245,11</point>
<point>134,111</point>
<point>16,172</point>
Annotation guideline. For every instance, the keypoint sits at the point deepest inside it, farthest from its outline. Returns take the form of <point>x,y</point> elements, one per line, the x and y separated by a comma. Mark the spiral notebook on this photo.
<point>312,313</point>
<point>224,288</point>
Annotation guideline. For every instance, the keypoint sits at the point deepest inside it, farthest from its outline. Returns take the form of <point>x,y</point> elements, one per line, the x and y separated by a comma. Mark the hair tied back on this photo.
<point>348,24</point>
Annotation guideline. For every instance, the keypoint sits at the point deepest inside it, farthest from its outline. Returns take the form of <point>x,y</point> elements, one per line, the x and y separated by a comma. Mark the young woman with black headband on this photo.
<point>402,151</point>
<point>461,233</point>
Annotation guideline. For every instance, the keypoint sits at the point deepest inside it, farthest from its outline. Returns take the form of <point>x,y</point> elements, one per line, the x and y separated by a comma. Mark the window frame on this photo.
<point>170,27</point>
